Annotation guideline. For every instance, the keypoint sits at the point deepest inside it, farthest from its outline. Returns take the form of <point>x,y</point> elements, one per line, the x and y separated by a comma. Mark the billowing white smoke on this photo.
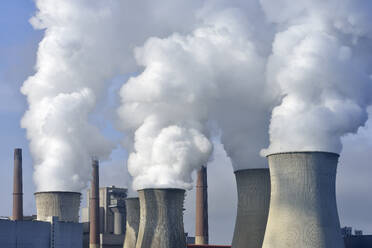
<point>86,44</point>
<point>321,62</point>
<point>214,74</point>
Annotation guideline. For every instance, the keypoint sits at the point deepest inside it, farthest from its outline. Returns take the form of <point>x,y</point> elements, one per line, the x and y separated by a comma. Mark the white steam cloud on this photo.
<point>321,62</point>
<point>86,44</point>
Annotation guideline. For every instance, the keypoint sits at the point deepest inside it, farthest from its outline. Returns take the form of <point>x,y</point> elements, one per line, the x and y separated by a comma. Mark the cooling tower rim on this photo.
<point>57,192</point>
<point>252,169</point>
<point>162,189</point>
<point>302,152</point>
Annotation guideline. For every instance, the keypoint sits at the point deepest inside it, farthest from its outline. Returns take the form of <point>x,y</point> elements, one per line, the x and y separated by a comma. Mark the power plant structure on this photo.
<point>17,186</point>
<point>253,187</point>
<point>133,221</point>
<point>161,219</point>
<point>94,238</point>
<point>303,211</point>
<point>201,223</point>
<point>63,204</point>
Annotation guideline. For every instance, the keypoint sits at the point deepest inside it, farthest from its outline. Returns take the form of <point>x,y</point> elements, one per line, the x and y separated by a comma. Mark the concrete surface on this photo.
<point>253,186</point>
<point>161,219</point>
<point>132,224</point>
<point>303,211</point>
<point>64,205</point>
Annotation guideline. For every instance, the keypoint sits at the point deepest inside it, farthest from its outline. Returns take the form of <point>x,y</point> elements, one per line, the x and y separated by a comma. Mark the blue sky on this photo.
<point>18,47</point>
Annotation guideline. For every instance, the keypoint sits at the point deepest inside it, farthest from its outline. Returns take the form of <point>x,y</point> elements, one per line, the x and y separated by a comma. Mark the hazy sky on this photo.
<point>18,45</point>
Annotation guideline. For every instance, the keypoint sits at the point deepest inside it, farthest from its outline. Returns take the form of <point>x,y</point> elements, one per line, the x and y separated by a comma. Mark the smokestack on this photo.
<point>17,186</point>
<point>201,224</point>
<point>133,220</point>
<point>63,204</point>
<point>303,210</point>
<point>161,219</point>
<point>253,186</point>
<point>94,239</point>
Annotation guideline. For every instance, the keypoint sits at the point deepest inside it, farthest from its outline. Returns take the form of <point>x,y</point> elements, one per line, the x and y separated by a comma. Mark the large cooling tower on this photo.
<point>253,186</point>
<point>303,211</point>
<point>63,204</point>
<point>161,221</point>
<point>133,220</point>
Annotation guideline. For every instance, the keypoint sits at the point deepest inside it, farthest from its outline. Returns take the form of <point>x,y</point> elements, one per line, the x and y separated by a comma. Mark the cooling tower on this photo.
<point>17,186</point>
<point>253,186</point>
<point>133,220</point>
<point>63,204</point>
<point>201,223</point>
<point>303,210</point>
<point>161,219</point>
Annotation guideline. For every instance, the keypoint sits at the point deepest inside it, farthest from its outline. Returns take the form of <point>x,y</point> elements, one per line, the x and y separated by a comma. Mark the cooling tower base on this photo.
<point>161,222</point>
<point>303,211</point>
<point>253,187</point>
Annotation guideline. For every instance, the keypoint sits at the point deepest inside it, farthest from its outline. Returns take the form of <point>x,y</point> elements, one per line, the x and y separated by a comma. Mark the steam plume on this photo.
<point>321,64</point>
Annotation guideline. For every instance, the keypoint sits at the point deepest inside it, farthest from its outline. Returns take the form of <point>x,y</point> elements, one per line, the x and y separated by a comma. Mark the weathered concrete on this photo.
<point>133,220</point>
<point>303,210</point>
<point>17,186</point>
<point>161,219</point>
<point>119,214</point>
<point>201,222</point>
<point>63,204</point>
<point>253,186</point>
<point>94,239</point>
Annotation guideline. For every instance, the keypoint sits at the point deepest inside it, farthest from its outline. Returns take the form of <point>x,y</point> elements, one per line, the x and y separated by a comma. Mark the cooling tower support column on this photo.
<point>253,186</point>
<point>133,220</point>
<point>94,240</point>
<point>161,221</point>
<point>201,224</point>
<point>303,210</point>
<point>17,186</point>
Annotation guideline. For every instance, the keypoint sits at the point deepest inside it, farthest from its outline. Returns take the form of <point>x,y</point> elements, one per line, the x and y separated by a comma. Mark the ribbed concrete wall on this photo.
<point>253,186</point>
<point>161,219</point>
<point>303,211</point>
<point>64,205</point>
<point>133,220</point>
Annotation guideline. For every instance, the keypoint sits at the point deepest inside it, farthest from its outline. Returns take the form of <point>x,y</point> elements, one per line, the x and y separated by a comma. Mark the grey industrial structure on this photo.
<point>161,219</point>
<point>201,211</point>
<point>133,219</point>
<point>253,187</point>
<point>303,211</point>
<point>111,211</point>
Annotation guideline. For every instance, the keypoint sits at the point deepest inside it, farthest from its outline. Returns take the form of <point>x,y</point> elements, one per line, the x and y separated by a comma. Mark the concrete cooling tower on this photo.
<point>253,186</point>
<point>63,204</point>
<point>133,220</point>
<point>161,221</point>
<point>303,210</point>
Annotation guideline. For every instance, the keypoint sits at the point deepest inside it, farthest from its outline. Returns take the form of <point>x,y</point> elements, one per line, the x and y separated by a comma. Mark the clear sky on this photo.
<point>18,46</point>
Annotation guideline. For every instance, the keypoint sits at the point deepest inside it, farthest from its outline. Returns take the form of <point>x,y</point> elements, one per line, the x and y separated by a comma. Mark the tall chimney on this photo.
<point>133,220</point>
<point>201,224</point>
<point>303,209</point>
<point>17,186</point>
<point>94,239</point>
<point>253,186</point>
<point>161,221</point>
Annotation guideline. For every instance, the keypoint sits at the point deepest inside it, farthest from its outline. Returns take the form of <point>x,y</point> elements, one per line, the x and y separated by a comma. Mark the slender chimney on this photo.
<point>133,220</point>
<point>201,224</point>
<point>253,186</point>
<point>303,209</point>
<point>17,186</point>
<point>161,219</point>
<point>94,239</point>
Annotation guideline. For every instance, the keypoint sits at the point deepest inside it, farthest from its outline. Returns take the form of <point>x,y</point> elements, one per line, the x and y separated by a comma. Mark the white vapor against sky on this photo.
<point>86,44</point>
<point>321,61</point>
